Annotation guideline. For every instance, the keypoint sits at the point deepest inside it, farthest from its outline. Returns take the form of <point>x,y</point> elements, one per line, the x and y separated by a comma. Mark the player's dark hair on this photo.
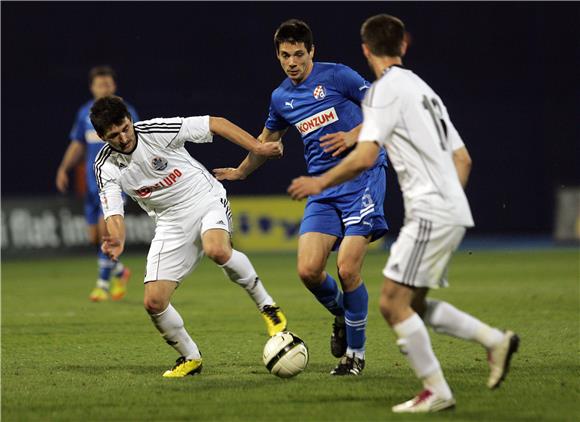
<point>107,112</point>
<point>384,35</point>
<point>101,71</point>
<point>293,31</point>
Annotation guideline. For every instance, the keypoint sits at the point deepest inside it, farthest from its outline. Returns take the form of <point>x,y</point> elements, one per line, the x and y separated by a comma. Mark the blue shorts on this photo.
<point>354,208</point>
<point>93,208</point>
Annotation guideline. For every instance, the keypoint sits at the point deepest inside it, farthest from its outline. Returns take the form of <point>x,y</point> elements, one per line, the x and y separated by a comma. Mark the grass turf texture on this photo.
<point>64,358</point>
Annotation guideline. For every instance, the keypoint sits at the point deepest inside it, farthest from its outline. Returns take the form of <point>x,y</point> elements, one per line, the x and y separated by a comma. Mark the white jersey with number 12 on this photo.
<point>402,113</point>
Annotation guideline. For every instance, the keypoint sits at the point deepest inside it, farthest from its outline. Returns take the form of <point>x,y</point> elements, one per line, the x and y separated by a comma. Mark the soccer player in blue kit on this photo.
<point>322,100</point>
<point>86,143</point>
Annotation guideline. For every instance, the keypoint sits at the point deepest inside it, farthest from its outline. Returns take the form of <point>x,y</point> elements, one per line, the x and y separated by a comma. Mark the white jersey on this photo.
<point>159,174</point>
<point>405,115</point>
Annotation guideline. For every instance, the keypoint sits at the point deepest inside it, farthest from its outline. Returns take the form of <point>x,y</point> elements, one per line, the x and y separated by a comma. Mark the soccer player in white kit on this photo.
<point>147,160</point>
<point>403,114</point>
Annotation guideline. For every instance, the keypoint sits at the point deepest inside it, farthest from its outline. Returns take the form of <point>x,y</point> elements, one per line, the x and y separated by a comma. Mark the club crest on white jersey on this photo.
<point>159,163</point>
<point>319,120</point>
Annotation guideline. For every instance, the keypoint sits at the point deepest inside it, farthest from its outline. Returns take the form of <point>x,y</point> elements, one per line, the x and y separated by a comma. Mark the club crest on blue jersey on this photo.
<point>159,163</point>
<point>319,92</point>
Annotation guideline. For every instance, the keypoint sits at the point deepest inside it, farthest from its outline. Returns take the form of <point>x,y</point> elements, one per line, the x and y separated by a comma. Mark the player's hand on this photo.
<point>269,149</point>
<point>337,142</point>
<point>228,173</point>
<point>62,180</point>
<point>112,247</point>
<point>303,186</point>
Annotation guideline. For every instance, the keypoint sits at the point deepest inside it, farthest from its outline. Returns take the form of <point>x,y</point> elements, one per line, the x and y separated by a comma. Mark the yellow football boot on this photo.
<point>99,295</point>
<point>119,289</point>
<point>183,368</point>
<point>274,318</point>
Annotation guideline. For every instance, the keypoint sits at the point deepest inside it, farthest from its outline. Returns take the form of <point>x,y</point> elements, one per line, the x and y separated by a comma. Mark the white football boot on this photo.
<point>426,402</point>
<point>499,356</point>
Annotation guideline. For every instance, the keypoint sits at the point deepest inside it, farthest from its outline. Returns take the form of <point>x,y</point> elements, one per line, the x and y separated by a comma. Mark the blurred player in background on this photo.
<point>148,161</point>
<point>403,114</point>
<point>85,143</point>
<point>322,100</point>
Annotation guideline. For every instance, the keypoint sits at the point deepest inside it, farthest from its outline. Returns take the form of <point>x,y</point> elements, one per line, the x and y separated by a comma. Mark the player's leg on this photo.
<point>363,218</point>
<point>120,274</point>
<point>172,256</point>
<point>415,344</point>
<point>217,245</point>
<point>417,262</point>
<point>444,318</point>
<point>355,301</point>
<point>170,324</point>
<point>319,232</point>
<point>313,251</point>
<point>105,265</point>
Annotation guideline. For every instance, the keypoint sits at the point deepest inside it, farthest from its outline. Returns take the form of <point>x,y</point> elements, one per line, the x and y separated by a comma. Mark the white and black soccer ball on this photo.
<point>285,355</point>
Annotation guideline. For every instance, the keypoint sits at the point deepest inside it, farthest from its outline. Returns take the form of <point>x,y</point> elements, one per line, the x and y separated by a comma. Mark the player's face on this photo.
<point>122,137</point>
<point>103,86</point>
<point>295,60</point>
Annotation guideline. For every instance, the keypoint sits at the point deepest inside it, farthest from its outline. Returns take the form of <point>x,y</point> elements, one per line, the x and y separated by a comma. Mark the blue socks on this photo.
<point>105,267</point>
<point>356,304</point>
<point>353,306</point>
<point>330,296</point>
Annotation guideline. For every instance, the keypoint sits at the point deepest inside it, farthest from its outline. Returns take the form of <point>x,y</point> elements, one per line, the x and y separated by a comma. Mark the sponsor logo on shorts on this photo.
<point>159,163</point>
<point>319,92</point>
<point>169,180</point>
<point>319,120</point>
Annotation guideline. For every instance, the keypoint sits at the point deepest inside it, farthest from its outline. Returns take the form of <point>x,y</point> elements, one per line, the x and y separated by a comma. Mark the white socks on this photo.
<point>239,269</point>
<point>103,284</point>
<point>446,319</point>
<point>356,353</point>
<point>170,325</point>
<point>414,342</point>
<point>118,269</point>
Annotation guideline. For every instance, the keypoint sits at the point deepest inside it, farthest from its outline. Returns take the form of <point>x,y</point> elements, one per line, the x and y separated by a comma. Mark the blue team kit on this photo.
<point>83,131</point>
<point>328,101</point>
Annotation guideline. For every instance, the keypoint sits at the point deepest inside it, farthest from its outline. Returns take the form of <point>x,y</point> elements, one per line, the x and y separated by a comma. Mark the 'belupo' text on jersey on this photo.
<point>159,174</point>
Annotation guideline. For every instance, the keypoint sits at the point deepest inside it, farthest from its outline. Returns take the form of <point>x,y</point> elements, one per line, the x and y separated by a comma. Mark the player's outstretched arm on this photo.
<point>362,158</point>
<point>462,161</point>
<point>237,135</point>
<point>72,156</point>
<point>253,161</point>
<point>339,142</point>
<point>114,243</point>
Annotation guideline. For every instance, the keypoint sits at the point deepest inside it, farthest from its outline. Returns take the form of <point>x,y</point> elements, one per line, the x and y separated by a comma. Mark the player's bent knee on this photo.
<point>218,253</point>
<point>349,276</point>
<point>310,276</point>
<point>154,305</point>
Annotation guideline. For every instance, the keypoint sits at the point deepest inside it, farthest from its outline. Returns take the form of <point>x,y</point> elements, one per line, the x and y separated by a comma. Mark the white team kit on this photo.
<point>177,191</point>
<point>408,118</point>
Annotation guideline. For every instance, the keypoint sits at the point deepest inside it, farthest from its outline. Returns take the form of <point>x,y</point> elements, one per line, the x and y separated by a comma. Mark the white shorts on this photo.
<point>176,248</point>
<point>420,255</point>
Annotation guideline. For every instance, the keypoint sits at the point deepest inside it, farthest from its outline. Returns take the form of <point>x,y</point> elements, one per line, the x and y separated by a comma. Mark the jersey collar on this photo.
<point>391,66</point>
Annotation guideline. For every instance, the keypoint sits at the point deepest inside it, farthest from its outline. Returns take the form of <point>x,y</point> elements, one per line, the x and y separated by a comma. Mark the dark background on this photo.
<point>506,71</point>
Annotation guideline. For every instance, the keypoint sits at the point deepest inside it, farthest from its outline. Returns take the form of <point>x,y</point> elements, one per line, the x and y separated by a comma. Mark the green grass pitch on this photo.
<point>64,358</point>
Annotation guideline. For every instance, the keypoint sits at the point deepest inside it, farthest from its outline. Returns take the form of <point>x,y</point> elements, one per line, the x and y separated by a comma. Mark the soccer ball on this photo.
<point>285,355</point>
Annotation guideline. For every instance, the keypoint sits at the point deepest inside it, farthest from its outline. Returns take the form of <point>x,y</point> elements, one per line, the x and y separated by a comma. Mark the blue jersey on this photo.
<point>327,101</point>
<point>84,132</point>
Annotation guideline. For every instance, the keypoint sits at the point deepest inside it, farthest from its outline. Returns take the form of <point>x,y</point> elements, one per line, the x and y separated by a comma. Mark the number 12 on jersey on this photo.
<point>434,110</point>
